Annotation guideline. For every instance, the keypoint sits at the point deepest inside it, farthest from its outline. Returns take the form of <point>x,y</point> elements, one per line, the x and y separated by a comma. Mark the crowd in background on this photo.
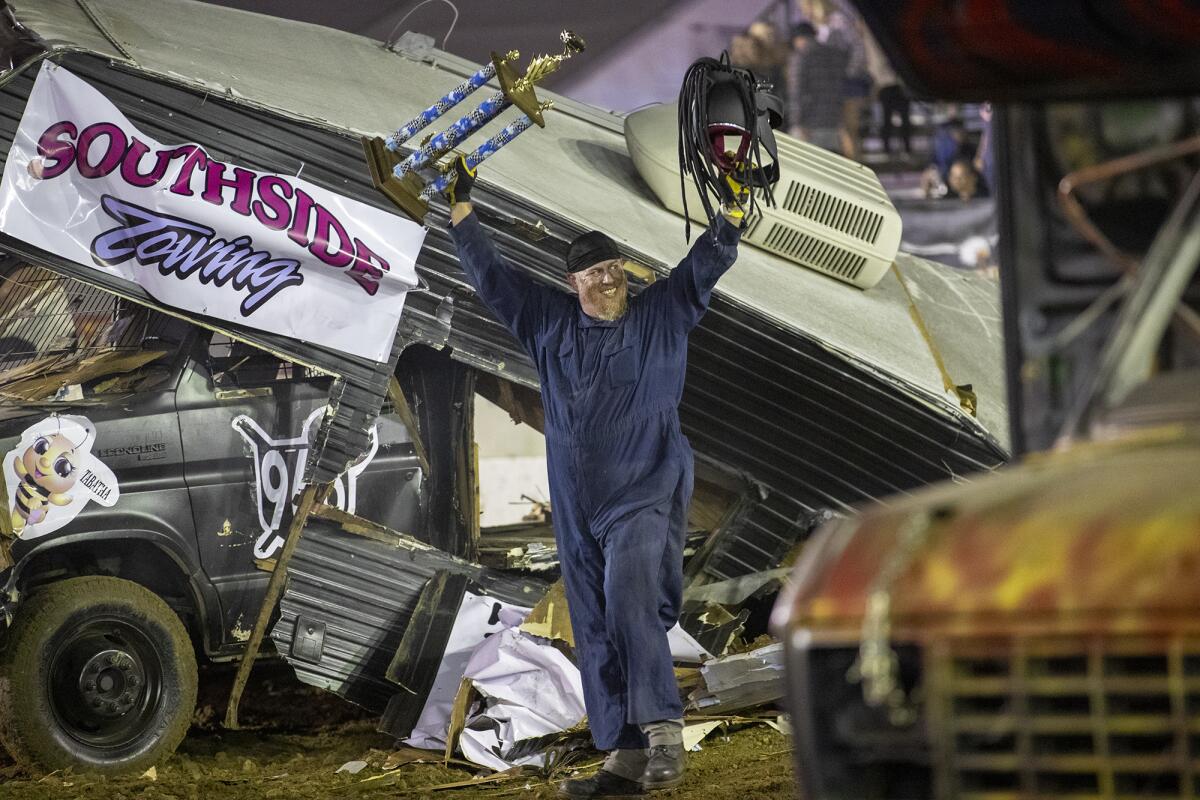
<point>837,83</point>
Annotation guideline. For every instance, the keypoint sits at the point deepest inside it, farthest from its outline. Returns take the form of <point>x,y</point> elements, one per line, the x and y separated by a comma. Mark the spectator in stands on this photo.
<point>984,162</point>
<point>770,54</point>
<point>845,29</point>
<point>814,81</point>
<point>742,51</point>
<point>949,145</point>
<point>893,99</point>
<point>964,181</point>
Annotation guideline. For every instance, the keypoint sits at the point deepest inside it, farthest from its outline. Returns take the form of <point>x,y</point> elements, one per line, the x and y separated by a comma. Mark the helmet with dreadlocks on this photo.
<point>726,122</point>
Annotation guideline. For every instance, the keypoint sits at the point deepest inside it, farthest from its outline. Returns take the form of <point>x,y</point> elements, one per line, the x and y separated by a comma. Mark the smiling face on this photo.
<point>603,289</point>
<point>53,463</point>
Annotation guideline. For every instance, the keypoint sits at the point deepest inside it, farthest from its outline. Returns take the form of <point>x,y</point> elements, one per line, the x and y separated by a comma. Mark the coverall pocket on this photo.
<point>622,367</point>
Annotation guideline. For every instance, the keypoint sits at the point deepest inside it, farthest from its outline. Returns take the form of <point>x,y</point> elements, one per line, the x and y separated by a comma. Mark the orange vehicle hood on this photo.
<point>1103,536</point>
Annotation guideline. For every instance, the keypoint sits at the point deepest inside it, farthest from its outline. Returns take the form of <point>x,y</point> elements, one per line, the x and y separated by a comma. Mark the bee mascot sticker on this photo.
<point>51,475</point>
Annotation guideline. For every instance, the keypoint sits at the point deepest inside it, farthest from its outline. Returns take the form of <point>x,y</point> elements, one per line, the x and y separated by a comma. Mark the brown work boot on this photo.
<point>665,767</point>
<point>602,784</point>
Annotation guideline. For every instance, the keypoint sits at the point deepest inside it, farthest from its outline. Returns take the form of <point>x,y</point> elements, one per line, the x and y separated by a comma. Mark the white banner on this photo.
<point>272,252</point>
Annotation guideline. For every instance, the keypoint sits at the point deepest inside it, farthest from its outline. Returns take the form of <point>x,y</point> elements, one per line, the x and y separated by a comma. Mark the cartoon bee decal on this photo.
<point>48,470</point>
<point>52,474</point>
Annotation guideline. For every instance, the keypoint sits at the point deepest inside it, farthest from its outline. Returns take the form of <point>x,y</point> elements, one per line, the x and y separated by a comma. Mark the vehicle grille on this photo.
<point>1065,718</point>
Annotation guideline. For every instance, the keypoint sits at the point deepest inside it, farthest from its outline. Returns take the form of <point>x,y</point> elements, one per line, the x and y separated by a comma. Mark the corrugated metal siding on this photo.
<point>817,430</point>
<point>363,591</point>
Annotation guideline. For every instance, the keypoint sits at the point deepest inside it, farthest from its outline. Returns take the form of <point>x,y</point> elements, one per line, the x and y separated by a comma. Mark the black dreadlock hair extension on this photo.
<point>695,146</point>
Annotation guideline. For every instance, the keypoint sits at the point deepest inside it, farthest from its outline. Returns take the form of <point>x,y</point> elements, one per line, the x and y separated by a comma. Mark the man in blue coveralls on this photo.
<point>612,371</point>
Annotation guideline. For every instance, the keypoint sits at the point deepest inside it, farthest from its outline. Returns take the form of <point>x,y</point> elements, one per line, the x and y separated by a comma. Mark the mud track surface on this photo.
<point>300,736</point>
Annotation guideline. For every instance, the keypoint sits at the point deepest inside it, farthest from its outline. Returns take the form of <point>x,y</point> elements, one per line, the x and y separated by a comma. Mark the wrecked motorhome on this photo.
<point>805,397</point>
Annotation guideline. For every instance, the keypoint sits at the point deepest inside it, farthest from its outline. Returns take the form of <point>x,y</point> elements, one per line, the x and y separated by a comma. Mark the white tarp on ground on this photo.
<point>530,689</point>
<point>268,251</point>
<point>479,618</point>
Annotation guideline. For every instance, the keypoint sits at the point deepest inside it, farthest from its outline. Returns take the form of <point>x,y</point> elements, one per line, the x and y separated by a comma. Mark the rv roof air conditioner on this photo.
<point>832,214</point>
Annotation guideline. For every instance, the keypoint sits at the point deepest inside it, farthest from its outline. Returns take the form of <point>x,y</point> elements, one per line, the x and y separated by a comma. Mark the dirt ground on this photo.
<point>301,736</point>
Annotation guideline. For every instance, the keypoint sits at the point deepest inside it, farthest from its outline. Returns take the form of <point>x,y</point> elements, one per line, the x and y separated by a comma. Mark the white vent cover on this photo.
<point>832,214</point>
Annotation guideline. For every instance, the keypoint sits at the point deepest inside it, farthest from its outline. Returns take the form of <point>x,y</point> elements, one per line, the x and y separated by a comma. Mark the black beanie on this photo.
<point>590,248</point>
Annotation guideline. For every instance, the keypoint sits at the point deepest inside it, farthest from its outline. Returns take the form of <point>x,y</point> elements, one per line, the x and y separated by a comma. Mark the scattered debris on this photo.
<point>736,590</point>
<point>695,733</point>
<point>151,774</point>
<point>740,681</point>
<point>781,725</point>
<point>406,755</point>
<point>360,617</point>
<point>353,767</point>
<point>533,557</point>
<point>482,667</point>
<point>458,716</point>
<point>714,627</point>
<point>432,669</point>
<point>549,618</point>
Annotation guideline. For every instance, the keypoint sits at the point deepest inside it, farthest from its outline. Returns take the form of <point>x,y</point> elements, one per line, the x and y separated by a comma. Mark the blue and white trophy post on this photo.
<point>409,181</point>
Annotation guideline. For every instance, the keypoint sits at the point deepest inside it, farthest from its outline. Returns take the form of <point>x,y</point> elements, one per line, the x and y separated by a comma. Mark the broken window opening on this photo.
<point>236,365</point>
<point>64,340</point>
<point>516,530</point>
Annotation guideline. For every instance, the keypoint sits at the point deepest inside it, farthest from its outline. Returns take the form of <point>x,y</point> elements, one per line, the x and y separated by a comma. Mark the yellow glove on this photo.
<point>735,197</point>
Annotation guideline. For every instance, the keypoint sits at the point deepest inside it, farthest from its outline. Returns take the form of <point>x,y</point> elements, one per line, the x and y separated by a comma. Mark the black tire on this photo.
<point>98,674</point>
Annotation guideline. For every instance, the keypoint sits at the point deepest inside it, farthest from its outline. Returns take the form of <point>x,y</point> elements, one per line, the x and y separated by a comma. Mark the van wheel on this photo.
<point>97,673</point>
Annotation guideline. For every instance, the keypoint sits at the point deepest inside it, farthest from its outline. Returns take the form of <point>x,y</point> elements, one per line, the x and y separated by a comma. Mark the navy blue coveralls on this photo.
<point>620,468</point>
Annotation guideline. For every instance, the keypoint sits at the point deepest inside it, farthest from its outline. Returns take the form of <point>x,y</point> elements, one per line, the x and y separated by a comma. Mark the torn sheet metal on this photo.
<point>736,590</point>
<point>695,732</point>
<point>549,619</point>
<point>684,648</point>
<point>714,627</point>
<point>359,590</point>
<point>740,681</point>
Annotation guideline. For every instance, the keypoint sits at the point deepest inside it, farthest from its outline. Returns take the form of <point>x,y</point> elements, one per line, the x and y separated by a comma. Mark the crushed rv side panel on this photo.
<point>352,588</point>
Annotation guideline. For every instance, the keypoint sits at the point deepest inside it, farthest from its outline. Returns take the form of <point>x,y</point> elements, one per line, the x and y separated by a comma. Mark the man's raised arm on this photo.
<point>517,301</point>
<point>688,289</point>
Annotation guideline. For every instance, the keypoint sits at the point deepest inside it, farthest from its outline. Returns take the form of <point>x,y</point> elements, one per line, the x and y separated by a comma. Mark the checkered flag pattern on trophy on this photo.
<point>410,179</point>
